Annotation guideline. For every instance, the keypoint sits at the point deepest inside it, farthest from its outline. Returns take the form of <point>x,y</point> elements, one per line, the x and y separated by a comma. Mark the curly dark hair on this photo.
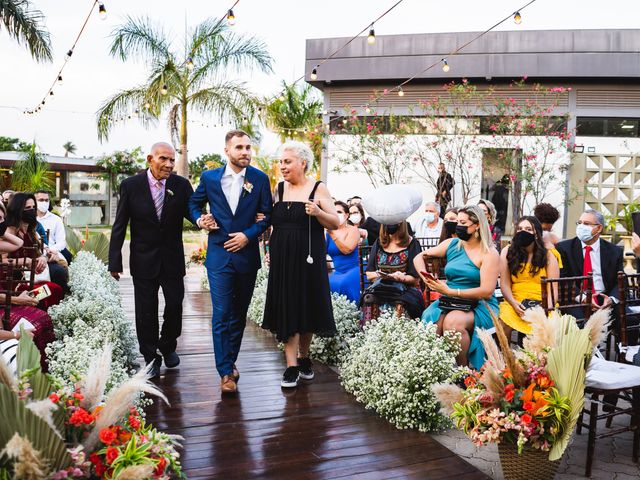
<point>517,256</point>
<point>546,213</point>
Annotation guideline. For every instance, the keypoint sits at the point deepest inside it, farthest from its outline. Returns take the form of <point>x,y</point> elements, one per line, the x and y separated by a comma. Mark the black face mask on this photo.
<point>523,238</point>
<point>392,229</point>
<point>3,228</point>
<point>450,227</point>
<point>462,233</point>
<point>29,216</point>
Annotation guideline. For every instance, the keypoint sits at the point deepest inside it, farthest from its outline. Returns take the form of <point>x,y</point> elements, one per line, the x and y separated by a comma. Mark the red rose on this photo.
<point>95,459</point>
<point>134,422</point>
<point>469,382</point>
<point>54,397</point>
<point>77,417</point>
<point>78,396</point>
<point>107,436</point>
<point>100,469</point>
<point>162,464</point>
<point>526,418</point>
<point>528,406</point>
<point>112,454</point>
<point>508,395</point>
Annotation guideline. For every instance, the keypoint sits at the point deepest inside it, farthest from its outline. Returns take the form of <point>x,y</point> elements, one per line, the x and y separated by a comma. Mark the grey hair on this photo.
<point>493,213</point>
<point>302,151</point>
<point>435,204</point>
<point>596,214</point>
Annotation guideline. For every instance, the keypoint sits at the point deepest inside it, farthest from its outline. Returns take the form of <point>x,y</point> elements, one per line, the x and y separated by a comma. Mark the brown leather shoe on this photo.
<point>236,374</point>
<point>228,385</point>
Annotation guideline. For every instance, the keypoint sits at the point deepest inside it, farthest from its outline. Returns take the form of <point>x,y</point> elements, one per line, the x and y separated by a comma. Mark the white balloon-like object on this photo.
<point>392,204</point>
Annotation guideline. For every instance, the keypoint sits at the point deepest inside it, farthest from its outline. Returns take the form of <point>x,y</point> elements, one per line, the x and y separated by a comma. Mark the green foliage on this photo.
<point>206,161</point>
<point>121,164</point>
<point>69,148</point>
<point>97,243</point>
<point>626,218</point>
<point>26,25</point>
<point>11,144</point>
<point>32,172</point>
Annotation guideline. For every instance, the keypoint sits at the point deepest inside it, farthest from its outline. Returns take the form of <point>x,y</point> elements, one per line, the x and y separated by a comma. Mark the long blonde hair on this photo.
<point>477,216</point>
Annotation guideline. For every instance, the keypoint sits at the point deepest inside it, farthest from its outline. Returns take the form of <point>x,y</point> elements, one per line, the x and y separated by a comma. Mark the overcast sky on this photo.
<point>92,75</point>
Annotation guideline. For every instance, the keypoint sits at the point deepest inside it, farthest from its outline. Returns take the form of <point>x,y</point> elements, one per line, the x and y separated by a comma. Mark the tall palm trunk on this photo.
<point>182,166</point>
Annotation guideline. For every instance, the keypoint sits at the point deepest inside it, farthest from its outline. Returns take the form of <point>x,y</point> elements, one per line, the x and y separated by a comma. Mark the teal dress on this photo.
<point>462,273</point>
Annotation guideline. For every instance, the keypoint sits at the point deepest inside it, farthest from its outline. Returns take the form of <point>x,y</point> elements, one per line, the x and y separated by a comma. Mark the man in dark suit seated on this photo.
<point>588,253</point>
<point>154,202</point>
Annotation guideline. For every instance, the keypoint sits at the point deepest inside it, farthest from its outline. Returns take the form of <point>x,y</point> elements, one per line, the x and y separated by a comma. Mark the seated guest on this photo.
<point>21,221</point>
<point>6,196</point>
<point>522,264</point>
<point>22,305</point>
<point>57,237</point>
<point>342,247</point>
<point>391,262</point>
<point>588,253</point>
<point>449,224</point>
<point>490,212</point>
<point>430,224</point>
<point>357,219</point>
<point>547,215</point>
<point>471,276</point>
<point>9,351</point>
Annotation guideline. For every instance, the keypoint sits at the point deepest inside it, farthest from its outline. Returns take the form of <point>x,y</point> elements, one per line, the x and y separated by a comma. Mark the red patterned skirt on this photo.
<point>43,333</point>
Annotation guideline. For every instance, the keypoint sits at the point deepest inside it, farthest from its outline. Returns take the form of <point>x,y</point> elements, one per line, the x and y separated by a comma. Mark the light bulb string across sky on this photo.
<point>516,15</point>
<point>102,12</point>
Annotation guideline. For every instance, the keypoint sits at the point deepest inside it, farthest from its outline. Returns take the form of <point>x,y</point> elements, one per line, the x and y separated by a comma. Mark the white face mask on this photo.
<point>43,206</point>
<point>355,218</point>
<point>583,232</point>
<point>430,217</point>
<point>341,218</point>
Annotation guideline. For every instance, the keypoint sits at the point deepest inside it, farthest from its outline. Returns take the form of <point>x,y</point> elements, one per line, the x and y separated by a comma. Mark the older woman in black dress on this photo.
<point>298,301</point>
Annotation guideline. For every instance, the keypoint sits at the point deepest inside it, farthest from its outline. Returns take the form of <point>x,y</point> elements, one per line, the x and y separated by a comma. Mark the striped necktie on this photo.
<point>158,200</point>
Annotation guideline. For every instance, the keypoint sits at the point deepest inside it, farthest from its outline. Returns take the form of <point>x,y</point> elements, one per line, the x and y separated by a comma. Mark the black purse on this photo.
<point>448,304</point>
<point>386,290</point>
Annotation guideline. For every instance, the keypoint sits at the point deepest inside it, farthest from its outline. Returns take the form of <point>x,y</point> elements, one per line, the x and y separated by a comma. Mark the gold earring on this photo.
<point>477,234</point>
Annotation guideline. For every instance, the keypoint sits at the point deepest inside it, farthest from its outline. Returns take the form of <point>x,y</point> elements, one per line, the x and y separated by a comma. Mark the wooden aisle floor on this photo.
<point>317,431</point>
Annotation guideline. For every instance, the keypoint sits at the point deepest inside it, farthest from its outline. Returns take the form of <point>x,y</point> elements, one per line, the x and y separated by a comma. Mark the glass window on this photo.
<point>590,127</point>
<point>622,127</point>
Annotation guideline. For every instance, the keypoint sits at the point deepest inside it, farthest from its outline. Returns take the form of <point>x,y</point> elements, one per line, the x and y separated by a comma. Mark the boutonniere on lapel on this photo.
<point>169,193</point>
<point>247,187</point>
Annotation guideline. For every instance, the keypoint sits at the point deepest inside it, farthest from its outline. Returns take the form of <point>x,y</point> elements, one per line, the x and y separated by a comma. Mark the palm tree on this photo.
<point>25,25</point>
<point>196,79</point>
<point>32,173</point>
<point>69,148</point>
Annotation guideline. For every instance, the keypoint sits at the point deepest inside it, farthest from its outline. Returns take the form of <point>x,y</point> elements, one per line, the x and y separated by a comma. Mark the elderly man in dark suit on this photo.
<point>588,253</point>
<point>154,203</point>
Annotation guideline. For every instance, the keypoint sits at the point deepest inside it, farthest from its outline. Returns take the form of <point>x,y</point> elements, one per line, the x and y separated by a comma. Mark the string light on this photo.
<point>190,65</point>
<point>281,97</point>
<point>314,74</point>
<point>517,18</point>
<point>51,93</point>
<point>231,18</point>
<point>371,39</point>
<point>69,53</point>
<point>400,92</point>
<point>445,65</point>
<point>59,79</point>
<point>102,11</point>
<point>164,90</point>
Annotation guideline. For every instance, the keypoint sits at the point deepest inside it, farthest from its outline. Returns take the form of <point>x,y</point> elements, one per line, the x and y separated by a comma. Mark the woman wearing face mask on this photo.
<point>450,224</point>
<point>522,264</point>
<point>356,218</point>
<point>342,247</point>
<point>472,275</point>
<point>21,222</point>
<point>22,306</point>
<point>391,260</point>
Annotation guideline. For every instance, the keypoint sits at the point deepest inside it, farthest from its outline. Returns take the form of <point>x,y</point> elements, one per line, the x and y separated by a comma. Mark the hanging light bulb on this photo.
<point>231,18</point>
<point>400,92</point>
<point>164,90</point>
<point>517,18</point>
<point>69,53</point>
<point>367,109</point>
<point>102,11</point>
<point>51,92</point>
<point>281,97</point>
<point>371,39</point>
<point>190,65</point>
<point>60,79</point>
<point>314,74</point>
<point>136,113</point>
<point>445,65</point>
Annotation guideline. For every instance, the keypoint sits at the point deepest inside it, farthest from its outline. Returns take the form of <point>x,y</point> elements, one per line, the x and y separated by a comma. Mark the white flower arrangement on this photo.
<point>256,307</point>
<point>88,319</point>
<point>392,365</point>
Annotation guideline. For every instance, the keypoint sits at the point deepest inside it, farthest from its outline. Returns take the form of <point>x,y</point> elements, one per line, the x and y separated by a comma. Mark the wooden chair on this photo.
<point>24,272</point>
<point>363,259</point>
<point>435,266</point>
<point>574,296</point>
<point>428,242</point>
<point>627,329</point>
<point>6,288</point>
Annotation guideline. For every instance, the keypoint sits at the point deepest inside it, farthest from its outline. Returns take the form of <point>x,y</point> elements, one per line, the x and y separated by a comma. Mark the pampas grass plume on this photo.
<point>120,401</point>
<point>28,463</point>
<point>137,472</point>
<point>598,323</point>
<point>447,394</point>
<point>517,372</point>
<point>543,330</point>
<point>491,349</point>
<point>95,380</point>
<point>44,409</point>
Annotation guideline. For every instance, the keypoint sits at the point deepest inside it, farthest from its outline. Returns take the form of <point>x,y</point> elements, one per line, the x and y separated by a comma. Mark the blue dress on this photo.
<point>345,279</point>
<point>462,273</point>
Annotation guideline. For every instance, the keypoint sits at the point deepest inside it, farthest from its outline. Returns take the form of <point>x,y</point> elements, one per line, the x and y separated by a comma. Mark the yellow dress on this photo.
<point>524,286</point>
<point>556,254</point>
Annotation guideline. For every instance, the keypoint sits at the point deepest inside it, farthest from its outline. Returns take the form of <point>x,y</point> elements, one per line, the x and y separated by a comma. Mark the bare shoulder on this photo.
<point>504,252</point>
<point>322,190</point>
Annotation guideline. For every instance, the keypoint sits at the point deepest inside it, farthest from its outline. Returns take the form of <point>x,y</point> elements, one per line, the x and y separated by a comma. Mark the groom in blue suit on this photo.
<point>236,194</point>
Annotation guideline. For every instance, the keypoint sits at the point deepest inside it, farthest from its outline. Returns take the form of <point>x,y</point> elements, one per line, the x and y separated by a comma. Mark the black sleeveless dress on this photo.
<point>298,296</point>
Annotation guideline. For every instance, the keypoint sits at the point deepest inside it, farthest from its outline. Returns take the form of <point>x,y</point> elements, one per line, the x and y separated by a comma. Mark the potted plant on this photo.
<point>528,400</point>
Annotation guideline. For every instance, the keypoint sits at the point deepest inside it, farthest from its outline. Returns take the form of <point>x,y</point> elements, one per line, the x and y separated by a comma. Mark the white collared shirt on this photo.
<point>598,283</point>
<point>423,230</point>
<point>57,235</point>
<point>232,183</point>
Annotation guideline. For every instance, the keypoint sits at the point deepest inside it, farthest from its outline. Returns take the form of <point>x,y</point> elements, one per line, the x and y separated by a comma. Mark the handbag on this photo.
<point>448,304</point>
<point>386,290</point>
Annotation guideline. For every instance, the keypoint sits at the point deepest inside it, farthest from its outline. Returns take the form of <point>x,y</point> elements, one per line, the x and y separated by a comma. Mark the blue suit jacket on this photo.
<point>258,201</point>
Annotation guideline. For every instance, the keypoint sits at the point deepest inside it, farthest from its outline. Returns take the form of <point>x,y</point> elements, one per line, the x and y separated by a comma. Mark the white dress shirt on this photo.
<point>598,283</point>
<point>423,230</point>
<point>57,235</point>
<point>232,183</point>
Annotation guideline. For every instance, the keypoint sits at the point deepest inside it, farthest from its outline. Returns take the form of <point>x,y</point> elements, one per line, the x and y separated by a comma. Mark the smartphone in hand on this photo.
<point>429,276</point>
<point>40,293</point>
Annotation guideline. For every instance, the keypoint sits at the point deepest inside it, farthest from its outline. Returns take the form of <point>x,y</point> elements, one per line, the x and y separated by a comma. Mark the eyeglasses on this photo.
<point>588,224</point>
